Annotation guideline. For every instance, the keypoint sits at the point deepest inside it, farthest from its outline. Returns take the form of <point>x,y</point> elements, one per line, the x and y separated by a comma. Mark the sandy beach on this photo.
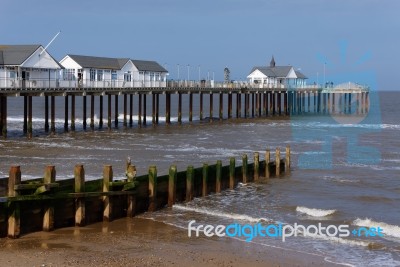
<point>142,242</point>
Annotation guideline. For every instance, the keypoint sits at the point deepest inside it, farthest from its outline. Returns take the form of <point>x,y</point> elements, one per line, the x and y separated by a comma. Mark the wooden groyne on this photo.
<point>46,203</point>
<point>249,103</point>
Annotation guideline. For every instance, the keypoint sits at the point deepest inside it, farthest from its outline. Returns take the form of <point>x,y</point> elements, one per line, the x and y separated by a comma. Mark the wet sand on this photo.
<point>141,242</point>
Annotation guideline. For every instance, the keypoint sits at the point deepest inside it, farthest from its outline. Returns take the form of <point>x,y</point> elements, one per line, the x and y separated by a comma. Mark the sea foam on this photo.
<point>387,229</point>
<point>315,212</point>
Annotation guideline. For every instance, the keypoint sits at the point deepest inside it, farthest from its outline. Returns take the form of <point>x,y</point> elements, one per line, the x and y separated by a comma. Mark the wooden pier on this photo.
<point>46,203</point>
<point>250,102</point>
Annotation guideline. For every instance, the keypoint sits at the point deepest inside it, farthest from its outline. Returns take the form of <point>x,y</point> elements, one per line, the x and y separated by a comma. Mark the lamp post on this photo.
<point>199,73</point>
<point>188,68</point>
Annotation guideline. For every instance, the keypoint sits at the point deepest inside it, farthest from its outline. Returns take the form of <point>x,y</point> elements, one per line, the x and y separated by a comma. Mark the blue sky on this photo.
<point>350,36</point>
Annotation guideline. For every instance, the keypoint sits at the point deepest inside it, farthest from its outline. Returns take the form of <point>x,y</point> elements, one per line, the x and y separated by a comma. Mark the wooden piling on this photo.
<point>79,174</point>
<point>131,209</point>
<point>14,220</point>
<point>232,162</point>
<point>267,160</point>
<point>157,107</point>
<point>211,106</point>
<point>190,107</point>
<point>201,106</point>
<point>153,109</point>
<point>218,179</point>
<point>244,168</point>
<point>116,111</point>
<point>25,125</point>
<point>46,113</point>
<point>107,200</point>
<point>277,162</point>
<point>287,159</point>
<point>172,185</point>
<point>3,118</point>
<point>205,180</point>
<point>179,107</point>
<point>66,113</point>
<point>84,101</point>
<point>144,109</point>
<point>101,103</point>
<point>221,106</point>
<point>109,113</point>
<point>125,122</point>
<point>229,105</point>
<point>189,183</point>
<point>53,115</point>
<point>167,108</point>
<point>130,110</point>
<point>48,217</point>
<point>152,188</point>
<point>30,117</point>
<point>252,105</point>
<point>256,166</point>
<point>72,113</point>
<point>140,110</point>
<point>92,112</point>
<point>279,103</point>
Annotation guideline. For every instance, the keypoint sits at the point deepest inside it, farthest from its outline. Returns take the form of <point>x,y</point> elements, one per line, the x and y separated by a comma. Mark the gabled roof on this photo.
<point>278,71</point>
<point>99,62</point>
<point>14,55</point>
<point>144,65</point>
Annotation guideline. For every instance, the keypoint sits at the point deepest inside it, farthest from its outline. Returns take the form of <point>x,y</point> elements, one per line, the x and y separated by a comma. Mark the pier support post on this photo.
<point>107,201</point>
<point>244,168</point>
<point>211,106</point>
<point>232,162</point>
<point>349,105</point>
<point>218,179</point>
<point>285,104</point>
<point>144,109</point>
<point>229,105</point>
<point>3,117</point>
<point>14,220</point>
<point>79,174</point>
<point>46,113</point>
<point>152,188</point>
<point>73,113</point>
<point>66,113</point>
<point>267,160</point>
<point>246,105</point>
<point>125,123</point>
<point>190,107</point>
<point>172,185</point>
<point>221,106</point>
<point>53,115</point>
<point>101,102</point>
<point>252,105</point>
<point>116,109</point>
<point>157,107</point>
<point>333,103</point>
<point>140,110</point>
<point>48,217</point>
<point>265,104</point>
<point>189,183</point>
<point>109,112</point>
<point>25,126</point>
<point>256,166</point>
<point>279,103</point>
<point>84,108</point>
<point>287,159</point>
<point>167,108</point>
<point>153,109</point>
<point>30,117</point>
<point>92,112</point>
<point>277,162</point>
<point>201,106</point>
<point>179,107</point>
<point>130,110</point>
<point>237,104</point>
<point>205,180</point>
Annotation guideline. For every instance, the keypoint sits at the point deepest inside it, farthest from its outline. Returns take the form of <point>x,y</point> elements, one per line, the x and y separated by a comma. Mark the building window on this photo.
<point>92,74</point>
<point>12,74</point>
<point>69,74</point>
<point>113,75</point>
<point>157,76</point>
<point>151,76</point>
<point>127,76</point>
<point>99,75</point>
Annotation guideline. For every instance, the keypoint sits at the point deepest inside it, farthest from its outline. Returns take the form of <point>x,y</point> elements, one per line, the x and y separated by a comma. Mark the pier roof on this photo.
<point>99,62</point>
<point>278,71</point>
<point>14,55</point>
<point>145,65</point>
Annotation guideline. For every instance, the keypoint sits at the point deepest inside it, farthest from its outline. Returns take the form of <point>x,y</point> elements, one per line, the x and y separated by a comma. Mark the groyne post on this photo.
<point>205,180</point>
<point>152,188</point>
<point>107,200</point>
<point>256,166</point>
<point>172,185</point>
<point>48,217</point>
<point>287,159</point>
<point>267,160</point>
<point>14,220</point>
<point>79,174</point>
<point>232,162</point>
<point>131,173</point>
<point>277,162</point>
<point>244,168</point>
<point>189,183</point>
<point>218,179</point>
